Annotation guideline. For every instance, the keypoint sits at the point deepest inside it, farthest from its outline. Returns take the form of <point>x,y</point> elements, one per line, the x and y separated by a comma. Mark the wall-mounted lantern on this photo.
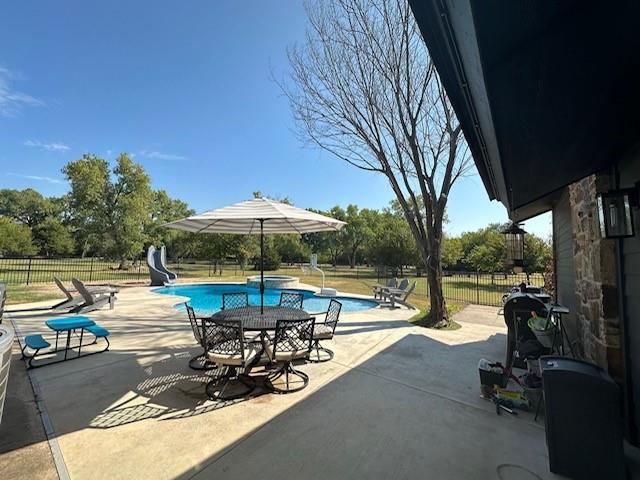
<point>615,214</point>
<point>514,236</point>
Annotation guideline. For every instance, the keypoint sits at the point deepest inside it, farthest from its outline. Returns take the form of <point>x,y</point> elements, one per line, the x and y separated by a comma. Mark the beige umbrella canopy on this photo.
<point>258,216</point>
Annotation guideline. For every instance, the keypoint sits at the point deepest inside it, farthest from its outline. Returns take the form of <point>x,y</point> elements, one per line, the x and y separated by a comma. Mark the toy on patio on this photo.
<point>500,385</point>
<point>36,346</point>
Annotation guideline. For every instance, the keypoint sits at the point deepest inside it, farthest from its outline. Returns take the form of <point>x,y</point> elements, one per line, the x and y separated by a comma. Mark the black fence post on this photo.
<point>91,270</point>
<point>29,270</point>
<point>139,268</point>
<point>477,288</point>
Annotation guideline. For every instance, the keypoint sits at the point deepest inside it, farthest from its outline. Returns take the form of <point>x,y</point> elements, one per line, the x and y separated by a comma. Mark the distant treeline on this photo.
<point>114,212</point>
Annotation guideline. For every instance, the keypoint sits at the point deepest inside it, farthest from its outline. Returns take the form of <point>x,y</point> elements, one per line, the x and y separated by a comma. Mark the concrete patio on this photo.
<point>398,401</point>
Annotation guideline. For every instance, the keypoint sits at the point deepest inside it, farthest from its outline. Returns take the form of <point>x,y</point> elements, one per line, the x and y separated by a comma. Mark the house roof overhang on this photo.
<point>547,93</point>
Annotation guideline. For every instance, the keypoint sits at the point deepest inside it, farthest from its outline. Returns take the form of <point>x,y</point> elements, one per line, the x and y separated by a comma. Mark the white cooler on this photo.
<point>6,341</point>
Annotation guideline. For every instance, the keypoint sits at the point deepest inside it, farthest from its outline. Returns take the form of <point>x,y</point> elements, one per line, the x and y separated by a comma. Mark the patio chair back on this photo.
<point>235,300</point>
<point>293,339</point>
<point>89,299</point>
<point>333,315</point>
<point>392,282</point>
<point>409,291</point>
<point>291,300</point>
<point>195,325</point>
<point>404,283</point>
<point>64,289</point>
<point>224,341</point>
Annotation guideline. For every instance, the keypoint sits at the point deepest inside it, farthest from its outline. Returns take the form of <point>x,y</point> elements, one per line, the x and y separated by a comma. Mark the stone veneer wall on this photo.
<point>597,318</point>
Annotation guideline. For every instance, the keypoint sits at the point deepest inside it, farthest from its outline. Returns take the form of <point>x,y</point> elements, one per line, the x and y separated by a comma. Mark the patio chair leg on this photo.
<point>317,348</point>
<point>200,362</point>
<point>286,369</point>
<point>217,388</point>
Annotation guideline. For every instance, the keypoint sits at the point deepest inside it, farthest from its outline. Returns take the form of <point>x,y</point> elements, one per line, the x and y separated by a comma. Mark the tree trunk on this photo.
<point>123,264</point>
<point>352,258</point>
<point>438,311</point>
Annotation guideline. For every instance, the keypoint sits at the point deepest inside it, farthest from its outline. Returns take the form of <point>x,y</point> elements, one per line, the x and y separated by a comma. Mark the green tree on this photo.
<point>452,252</point>
<point>538,253</point>
<point>15,238</point>
<point>291,248</point>
<point>25,206</point>
<point>53,238</point>
<point>164,209</point>
<point>110,209</point>
<point>391,243</point>
<point>356,232</point>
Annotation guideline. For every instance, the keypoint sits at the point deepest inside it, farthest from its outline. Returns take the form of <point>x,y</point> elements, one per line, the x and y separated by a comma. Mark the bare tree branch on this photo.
<point>363,87</point>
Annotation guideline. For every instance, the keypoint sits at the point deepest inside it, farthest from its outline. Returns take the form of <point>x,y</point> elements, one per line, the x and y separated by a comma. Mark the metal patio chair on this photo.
<point>324,331</point>
<point>291,300</point>
<point>235,300</point>
<point>199,362</point>
<point>227,348</point>
<point>291,341</point>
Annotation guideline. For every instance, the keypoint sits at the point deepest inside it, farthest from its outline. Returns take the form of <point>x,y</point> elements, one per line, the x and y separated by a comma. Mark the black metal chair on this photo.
<point>235,300</point>
<point>291,300</point>
<point>324,331</point>
<point>226,347</point>
<point>291,341</point>
<point>198,362</point>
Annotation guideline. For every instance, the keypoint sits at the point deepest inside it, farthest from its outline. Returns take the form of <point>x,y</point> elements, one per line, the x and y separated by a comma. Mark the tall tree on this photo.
<point>110,209</point>
<point>364,88</point>
<point>356,232</point>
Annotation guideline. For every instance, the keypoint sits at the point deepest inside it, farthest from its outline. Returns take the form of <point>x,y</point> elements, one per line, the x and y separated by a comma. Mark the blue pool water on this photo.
<point>207,299</point>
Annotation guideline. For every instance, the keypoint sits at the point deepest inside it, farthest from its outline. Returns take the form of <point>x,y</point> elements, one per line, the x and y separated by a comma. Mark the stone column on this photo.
<point>597,316</point>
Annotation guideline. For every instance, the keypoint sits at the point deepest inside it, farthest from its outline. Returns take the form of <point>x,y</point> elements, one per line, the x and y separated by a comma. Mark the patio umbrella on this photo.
<point>259,216</point>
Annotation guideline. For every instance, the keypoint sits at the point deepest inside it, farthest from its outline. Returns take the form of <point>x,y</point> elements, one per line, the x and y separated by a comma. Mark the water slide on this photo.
<point>156,261</point>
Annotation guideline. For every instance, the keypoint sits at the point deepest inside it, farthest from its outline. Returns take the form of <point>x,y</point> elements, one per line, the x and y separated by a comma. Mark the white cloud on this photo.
<point>37,177</point>
<point>52,147</point>
<point>13,101</point>
<point>160,155</point>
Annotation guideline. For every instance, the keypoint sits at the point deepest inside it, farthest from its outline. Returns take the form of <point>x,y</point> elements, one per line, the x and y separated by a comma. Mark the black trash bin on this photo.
<point>583,420</point>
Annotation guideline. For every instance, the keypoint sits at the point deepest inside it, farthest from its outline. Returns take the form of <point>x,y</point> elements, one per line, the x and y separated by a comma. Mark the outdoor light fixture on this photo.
<point>615,212</point>
<point>515,247</point>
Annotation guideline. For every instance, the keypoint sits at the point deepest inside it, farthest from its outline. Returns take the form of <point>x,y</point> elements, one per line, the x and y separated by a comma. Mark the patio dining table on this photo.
<point>253,320</point>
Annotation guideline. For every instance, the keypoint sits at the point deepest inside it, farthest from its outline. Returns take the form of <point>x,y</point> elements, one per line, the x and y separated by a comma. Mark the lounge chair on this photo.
<point>378,289</point>
<point>401,296</point>
<point>71,301</point>
<point>94,297</point>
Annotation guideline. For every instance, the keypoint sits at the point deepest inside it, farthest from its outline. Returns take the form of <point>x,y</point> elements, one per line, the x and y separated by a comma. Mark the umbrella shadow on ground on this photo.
<point>169,395</point>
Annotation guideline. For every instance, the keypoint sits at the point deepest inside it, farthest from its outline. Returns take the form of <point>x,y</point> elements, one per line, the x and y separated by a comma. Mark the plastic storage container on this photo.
<point>583,420</point>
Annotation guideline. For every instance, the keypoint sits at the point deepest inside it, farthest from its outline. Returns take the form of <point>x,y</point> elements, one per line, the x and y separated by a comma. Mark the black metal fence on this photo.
<point>31,270</point>
<point>464,287</point>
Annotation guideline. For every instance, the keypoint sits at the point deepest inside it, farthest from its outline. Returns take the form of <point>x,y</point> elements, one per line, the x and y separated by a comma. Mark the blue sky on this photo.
<point>185,86</point>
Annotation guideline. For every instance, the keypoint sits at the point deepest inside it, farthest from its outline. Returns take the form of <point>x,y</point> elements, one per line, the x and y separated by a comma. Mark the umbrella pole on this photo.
<point>261,267</point>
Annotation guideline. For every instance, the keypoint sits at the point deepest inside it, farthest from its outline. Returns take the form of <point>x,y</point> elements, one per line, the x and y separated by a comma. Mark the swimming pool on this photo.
<point>206,299</point>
